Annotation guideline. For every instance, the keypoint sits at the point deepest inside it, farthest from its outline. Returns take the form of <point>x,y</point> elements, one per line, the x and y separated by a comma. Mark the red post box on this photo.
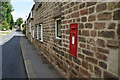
<point>73,39</point>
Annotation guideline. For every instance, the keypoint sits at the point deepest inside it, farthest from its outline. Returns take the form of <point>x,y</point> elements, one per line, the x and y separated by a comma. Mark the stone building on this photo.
<point>30,26</point>
<point>97,37</point>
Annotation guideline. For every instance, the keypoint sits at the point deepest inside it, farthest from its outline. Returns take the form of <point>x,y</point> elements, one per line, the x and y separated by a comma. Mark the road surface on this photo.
<point>12,61</point>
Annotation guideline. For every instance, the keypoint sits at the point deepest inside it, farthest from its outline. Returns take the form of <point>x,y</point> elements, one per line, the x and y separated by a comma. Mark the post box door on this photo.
<point>73,39</point>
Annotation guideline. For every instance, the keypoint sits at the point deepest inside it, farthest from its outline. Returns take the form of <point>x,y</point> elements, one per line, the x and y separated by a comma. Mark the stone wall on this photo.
<point>98,32</point>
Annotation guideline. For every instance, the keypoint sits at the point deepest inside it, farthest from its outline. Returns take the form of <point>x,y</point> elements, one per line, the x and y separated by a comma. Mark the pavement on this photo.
<point>12,60</point>
<point>36,65</point>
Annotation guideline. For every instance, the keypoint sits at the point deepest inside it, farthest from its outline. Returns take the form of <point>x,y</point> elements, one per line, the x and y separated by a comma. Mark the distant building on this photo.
<point>79,39</point>
<point>30,25</point>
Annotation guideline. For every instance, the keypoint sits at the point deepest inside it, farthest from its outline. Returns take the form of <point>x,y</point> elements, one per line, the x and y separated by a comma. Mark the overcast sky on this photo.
<point>21,8</point>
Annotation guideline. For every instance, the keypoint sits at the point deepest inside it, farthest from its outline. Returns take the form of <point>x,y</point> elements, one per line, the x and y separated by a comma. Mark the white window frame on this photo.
<point>56,29</point>
<point>33,33</point>
<point>31,14</point>
<point>37,32</point>
<point>41,34</point>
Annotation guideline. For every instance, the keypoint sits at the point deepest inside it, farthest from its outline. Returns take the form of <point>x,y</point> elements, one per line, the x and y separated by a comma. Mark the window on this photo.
<point>30,27</point>
<point>58,29</point>
<point>31,14</point>
<point>37,31</point>
<point>41,33</point>
<point>33,33</point>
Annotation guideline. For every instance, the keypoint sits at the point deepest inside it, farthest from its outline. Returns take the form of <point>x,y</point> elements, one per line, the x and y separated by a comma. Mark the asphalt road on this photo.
<point>12,61</point>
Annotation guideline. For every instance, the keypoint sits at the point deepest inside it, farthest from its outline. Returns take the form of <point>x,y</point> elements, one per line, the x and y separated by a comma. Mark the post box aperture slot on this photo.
<point>73,28</point>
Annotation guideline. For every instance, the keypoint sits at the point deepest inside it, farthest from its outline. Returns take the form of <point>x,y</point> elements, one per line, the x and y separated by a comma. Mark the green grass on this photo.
<point>5,32</point>
<point>1,35</point>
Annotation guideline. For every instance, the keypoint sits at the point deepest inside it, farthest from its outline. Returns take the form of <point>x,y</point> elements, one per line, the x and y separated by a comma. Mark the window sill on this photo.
<point>58,38</point>
<point>41,40</point>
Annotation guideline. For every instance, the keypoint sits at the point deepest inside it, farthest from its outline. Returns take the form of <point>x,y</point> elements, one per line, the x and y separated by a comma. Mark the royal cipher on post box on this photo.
<point>73,39</point>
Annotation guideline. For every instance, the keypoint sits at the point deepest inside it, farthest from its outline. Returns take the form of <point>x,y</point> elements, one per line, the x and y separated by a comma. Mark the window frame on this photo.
<point>56,29</point>
<point>31,14</point>
<point>30,27</point>
<point>41,32</point>
<point>33,33</point>
<point>37,32</point>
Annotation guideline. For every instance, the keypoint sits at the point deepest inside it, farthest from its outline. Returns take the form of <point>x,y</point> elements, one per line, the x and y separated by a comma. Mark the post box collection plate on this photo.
<point>73,39</point>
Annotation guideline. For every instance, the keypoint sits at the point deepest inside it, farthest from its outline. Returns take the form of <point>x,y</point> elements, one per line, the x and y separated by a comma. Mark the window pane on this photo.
<point>40,32</point>
<point>59,28</point>
<point>36,31</point>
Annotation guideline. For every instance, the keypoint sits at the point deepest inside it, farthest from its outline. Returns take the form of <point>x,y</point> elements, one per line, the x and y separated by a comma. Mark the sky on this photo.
<point>21,8</point>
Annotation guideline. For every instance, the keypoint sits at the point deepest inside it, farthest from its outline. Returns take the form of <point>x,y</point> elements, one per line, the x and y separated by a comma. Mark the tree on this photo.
<point>12,23</point>
<point>24,28</point>
<point>6,18</point>
<point>19,21</point>
<point>5,25</point>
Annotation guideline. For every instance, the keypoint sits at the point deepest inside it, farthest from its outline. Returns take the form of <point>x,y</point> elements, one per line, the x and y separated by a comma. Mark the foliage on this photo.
<point>6,18</point>
<point>0,26</point>
<point>24,28</point>
<point>5,25</point>
<point>23,25</point>
<point>24,31</point>
<point>19,21</point>
<point>12,22</point>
